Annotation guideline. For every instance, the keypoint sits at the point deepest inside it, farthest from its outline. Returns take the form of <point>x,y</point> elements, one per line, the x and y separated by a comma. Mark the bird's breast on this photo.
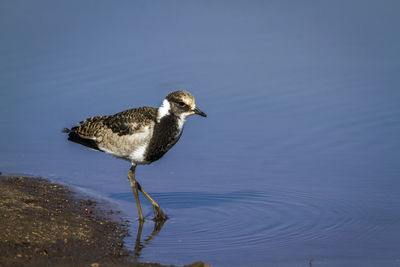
<point>165,135</point>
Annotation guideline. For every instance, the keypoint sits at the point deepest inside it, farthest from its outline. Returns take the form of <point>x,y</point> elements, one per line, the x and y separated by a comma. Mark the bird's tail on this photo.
<point>66,130</point>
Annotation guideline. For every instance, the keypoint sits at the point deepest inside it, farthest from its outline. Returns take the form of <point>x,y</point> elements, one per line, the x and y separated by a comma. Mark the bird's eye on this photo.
<point>181,103</point>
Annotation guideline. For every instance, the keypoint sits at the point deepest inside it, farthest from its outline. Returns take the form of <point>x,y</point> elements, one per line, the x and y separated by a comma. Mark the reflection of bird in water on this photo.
<point>140,245</point>
<point>140,135</point>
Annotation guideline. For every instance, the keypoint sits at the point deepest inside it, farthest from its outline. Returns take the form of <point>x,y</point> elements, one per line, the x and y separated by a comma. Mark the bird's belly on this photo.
<point>135,155</point>
<point>128,147</point>
<point>138,155</point>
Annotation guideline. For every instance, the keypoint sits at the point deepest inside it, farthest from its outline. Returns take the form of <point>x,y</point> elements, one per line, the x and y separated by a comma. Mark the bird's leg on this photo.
<point>135,186</point>
<point>158,213</point>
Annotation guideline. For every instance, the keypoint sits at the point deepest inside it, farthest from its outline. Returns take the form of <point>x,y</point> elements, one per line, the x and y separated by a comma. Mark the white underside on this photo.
<point>132,147</point>
<point>138,155</point>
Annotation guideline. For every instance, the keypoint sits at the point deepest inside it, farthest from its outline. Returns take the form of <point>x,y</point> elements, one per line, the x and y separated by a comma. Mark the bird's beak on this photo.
<point>199,112</point>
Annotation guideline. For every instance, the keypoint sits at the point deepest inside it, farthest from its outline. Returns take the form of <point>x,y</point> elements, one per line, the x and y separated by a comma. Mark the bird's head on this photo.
<point>181,104</point>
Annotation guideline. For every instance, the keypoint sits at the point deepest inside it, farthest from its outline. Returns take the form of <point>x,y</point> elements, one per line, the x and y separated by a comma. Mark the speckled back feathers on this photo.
<point>123,123</point>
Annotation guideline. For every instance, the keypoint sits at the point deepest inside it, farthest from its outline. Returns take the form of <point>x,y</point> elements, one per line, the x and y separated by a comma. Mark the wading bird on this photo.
<point>139,135</point>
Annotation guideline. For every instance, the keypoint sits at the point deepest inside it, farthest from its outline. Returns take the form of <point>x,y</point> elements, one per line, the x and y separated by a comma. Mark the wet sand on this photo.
<point>47,224</point>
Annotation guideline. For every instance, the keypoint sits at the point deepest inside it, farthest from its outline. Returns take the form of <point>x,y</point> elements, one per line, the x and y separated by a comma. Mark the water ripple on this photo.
<point>250,218</point>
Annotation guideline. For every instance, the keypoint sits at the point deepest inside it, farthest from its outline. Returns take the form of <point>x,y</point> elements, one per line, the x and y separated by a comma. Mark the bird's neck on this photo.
<point>167,131</point>
<point>165,116</point>
<point>163,110</point>
<point>170,124</point>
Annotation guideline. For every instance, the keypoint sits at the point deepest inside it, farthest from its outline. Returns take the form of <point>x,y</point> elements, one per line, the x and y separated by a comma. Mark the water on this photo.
<point>298,158</point>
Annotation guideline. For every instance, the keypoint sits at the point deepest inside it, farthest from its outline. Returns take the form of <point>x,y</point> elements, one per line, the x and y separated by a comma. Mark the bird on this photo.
<point>139,135</point>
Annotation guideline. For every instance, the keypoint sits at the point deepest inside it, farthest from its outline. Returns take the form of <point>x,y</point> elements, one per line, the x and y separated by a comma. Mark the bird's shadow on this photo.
<point>185,200</point>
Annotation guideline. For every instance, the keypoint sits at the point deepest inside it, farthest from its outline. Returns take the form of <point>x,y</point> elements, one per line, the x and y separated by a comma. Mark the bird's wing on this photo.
<point>90,127</point>
<point>131,121</point>
<point>127,122</point>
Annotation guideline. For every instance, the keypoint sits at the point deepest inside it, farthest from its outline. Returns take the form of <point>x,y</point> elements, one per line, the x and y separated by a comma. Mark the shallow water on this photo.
<point>298,158</point>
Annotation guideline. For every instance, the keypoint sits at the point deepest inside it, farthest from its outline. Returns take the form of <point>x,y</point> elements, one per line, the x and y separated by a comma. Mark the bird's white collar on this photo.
<point>163,110</point>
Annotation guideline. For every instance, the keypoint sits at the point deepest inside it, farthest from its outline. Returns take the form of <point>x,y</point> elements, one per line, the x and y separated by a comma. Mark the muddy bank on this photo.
<point>46,224</point>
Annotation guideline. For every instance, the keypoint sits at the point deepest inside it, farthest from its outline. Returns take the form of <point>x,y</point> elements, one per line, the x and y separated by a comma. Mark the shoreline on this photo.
<point>48,224</point>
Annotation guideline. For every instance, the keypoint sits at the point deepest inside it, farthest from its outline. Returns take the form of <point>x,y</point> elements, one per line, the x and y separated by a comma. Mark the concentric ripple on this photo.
<point>209,222</point>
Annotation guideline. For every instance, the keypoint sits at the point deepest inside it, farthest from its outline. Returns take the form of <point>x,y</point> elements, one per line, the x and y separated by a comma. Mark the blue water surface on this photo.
<point>298,158</point>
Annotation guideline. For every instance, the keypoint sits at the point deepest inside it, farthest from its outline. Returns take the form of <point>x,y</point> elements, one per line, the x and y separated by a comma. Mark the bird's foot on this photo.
<point>159,214</point>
